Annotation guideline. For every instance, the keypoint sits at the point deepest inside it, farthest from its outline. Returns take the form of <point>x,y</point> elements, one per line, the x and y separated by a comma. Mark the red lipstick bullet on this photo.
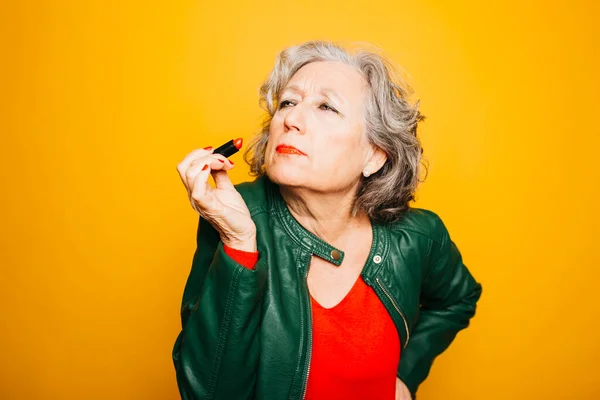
<point>229,148</point>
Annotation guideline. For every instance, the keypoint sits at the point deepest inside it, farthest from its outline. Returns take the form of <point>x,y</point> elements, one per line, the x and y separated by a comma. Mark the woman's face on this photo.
<point>316,137</point>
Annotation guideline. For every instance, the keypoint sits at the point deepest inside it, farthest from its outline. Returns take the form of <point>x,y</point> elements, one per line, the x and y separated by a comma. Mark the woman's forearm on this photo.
<point>217,351</point>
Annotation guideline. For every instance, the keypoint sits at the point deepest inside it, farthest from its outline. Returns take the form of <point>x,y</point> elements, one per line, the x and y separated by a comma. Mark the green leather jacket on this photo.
<point>246,334</point>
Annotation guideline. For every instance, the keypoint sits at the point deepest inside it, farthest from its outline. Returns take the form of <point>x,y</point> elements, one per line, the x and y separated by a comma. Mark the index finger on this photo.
<point>185,163</point>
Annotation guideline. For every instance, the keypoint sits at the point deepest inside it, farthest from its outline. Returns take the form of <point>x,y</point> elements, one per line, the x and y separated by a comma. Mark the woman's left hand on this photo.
<point>402,392</point>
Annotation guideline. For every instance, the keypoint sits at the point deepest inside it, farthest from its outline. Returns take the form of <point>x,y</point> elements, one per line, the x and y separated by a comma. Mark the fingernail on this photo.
<point>205,167</point>
<point>208,148</point>
<point>221,160</point>
<point>231,162</point>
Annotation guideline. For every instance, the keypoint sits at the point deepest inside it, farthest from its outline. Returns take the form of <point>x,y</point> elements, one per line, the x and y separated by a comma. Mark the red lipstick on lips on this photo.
<point>285,149</point>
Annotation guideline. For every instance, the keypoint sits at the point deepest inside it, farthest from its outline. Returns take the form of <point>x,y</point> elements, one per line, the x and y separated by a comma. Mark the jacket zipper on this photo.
<point>397,309</point>
<point>309,330</point>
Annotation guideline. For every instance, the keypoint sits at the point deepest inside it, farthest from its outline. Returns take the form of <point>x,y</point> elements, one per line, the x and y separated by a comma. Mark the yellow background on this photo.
<point>102,99</point>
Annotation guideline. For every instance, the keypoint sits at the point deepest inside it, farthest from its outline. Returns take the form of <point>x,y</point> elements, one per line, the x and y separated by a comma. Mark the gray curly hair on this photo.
<point>391,124</point>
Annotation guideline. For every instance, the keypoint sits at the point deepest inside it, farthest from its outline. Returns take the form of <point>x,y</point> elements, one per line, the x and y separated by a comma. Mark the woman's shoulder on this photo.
<point>420,221</point>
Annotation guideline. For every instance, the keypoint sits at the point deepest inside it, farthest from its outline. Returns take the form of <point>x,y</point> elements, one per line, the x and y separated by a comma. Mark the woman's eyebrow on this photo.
<point>330,94</point>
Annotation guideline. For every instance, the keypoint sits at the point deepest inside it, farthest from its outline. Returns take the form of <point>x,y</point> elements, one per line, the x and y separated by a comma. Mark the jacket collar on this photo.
<point>317,246</point>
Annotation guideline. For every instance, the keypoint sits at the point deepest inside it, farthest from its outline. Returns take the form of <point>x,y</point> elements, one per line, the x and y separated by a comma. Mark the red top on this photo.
<point>355,345</point>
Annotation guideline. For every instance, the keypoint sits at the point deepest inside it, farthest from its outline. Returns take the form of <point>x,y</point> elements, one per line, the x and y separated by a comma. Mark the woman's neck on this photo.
<point>327,215</point>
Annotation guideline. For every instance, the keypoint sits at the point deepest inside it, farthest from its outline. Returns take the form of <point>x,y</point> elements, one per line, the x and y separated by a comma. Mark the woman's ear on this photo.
<point>375,161</point>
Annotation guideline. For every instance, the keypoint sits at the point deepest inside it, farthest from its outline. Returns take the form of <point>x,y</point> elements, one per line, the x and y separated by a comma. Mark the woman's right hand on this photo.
<point>222,206</point>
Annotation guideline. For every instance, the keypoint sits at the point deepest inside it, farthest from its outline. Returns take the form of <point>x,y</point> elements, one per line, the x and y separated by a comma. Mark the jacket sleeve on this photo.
<point>449,294</point>
<point>216,353</point>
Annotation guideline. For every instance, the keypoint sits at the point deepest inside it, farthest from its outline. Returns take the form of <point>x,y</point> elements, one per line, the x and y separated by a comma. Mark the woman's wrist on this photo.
<point>246,244</point>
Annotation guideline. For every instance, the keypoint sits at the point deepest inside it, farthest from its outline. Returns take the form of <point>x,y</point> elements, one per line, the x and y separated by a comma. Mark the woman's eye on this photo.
<point>285,103</point>
<point>327,107</point>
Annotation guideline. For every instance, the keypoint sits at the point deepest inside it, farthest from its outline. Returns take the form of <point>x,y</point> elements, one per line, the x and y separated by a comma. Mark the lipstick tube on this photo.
<point>229,148</point>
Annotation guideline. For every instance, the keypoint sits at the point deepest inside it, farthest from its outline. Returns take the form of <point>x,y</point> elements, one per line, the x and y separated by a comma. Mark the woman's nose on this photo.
<point>294,119</point>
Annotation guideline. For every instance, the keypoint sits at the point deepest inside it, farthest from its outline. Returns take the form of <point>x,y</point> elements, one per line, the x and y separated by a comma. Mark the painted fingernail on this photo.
<point>231,162</point>
<point>205,167</point>
<point>208,148</point>
<point>221,160</point>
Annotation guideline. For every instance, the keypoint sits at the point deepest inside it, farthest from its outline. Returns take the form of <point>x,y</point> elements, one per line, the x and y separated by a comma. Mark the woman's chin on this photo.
<point>287,176</point>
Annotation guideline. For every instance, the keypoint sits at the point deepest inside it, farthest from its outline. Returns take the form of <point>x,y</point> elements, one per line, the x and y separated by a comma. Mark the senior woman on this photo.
<point>317,280</point>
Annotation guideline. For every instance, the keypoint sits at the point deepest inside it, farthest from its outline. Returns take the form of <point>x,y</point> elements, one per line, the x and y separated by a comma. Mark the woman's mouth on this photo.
<point>285,149</point>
